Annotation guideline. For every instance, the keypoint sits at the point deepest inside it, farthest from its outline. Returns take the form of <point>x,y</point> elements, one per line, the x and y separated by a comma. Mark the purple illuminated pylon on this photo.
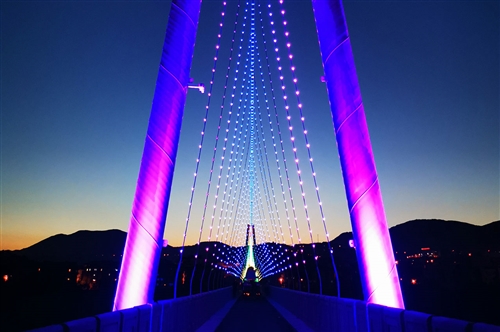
<point>136,283</point>
<point>377,267</point>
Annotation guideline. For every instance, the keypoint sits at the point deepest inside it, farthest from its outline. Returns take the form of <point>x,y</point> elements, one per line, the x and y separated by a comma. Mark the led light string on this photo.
<point>236,251</point>
<point>240,206</point>
<point>265,182</point>
<point>275,153</point>
<point>258,148</point>
<point>290,194</point>
<point>219,179</point>
<point>207,107</point>
<point>238,183</point>
<point>266,187</point>
<point>218,133</point>
<point>254,96</point>
<point>308,146</point>
<point>244,216</point>
<point>239,227</point>
<point>264,248</point>
<point>264,144</point>
<point>224,148</point>
<point>241,182</point>
<point>266,192</point>
<point>245,154</point>
<point>248,160</point>
<point>259,228</point>
<point>216,144</point>
<point>230,174</point>
<point>263,169</point>
<point>231,170</point>
<point>237,169</point>
<point>264,225</point>
<point>236,258</point>
<point>271,265</point>
<point>260,208</point>
<point>281,146</point>
<point>263,139</point>
<point>294,148</point>
<point>252,108</point>
<point>273,260</point>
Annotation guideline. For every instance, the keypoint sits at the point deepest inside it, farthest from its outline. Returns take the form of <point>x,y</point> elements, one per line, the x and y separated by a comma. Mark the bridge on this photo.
<point>262,191</point>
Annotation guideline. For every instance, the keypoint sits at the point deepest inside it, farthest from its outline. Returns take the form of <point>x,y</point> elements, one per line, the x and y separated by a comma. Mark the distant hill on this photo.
<point>88,246</point>
<point>445,235</point>
<point>79,247</point>
<point>438,235</point>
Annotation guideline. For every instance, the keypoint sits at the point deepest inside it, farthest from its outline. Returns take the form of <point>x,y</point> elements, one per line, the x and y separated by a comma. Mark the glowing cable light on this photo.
<point>283,157</point>
<point>200,146</point>
<point>294,149</point>
<point>217,141</point>
<point>308,148</point>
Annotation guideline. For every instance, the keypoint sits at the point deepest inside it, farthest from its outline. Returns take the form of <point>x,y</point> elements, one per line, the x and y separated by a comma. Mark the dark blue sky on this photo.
<point>77,81</point>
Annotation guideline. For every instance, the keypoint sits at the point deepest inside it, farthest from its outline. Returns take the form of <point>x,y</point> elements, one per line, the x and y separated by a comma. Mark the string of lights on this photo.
<point>284,159</point>
<point>243,199</point>
<point>232,170</point>
<point>241,180</point>
<point>237,170</point>
<point>308,146</point>
<point>228,125</point>
<point>264,143</point>
<point>292,138</point>
<point>200,146</point>
<point>261,148</point>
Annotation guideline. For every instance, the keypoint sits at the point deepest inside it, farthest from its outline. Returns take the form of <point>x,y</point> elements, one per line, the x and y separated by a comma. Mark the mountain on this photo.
<point>441,235</point>
<point>445,235</point>
<point>79,247</point>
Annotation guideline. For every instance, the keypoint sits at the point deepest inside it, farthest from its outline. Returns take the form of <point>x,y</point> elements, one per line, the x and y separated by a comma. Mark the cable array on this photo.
<point>200,147</point>
<point>308,146</point>
<point>241,197</point>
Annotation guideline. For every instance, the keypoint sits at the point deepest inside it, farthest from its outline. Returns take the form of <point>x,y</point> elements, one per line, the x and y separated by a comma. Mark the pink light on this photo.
<point>137,279</point>
<point>373,244</point>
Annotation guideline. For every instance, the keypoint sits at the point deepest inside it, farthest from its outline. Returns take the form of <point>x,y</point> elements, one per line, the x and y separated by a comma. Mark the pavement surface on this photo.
<point>253,314</point>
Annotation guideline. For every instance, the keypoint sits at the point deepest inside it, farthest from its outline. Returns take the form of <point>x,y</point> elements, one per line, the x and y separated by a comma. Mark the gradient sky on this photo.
<point>77,81</point>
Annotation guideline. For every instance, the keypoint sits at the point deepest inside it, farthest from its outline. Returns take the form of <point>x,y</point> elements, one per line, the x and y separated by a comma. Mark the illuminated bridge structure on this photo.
<point>262,122</point>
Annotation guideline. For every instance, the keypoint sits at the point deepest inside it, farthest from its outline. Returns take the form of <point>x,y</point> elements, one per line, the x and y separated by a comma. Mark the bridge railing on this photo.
<point>328,313</point>
<point>182,314</point>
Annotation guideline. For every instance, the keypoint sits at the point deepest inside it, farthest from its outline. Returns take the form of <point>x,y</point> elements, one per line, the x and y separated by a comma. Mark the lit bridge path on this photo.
<point>254,315</point>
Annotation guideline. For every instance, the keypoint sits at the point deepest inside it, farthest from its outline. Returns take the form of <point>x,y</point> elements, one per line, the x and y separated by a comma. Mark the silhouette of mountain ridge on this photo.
<point>87,246</point>
<point>82,247</point>
<point>439,234</point>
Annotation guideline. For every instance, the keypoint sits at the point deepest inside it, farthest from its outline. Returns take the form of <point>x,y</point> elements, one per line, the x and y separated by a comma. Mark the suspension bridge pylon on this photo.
<point>379,275</point>
<point>141,256</point>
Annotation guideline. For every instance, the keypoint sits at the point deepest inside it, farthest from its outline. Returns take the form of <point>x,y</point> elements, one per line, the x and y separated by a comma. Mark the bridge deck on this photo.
<point>254,314</point>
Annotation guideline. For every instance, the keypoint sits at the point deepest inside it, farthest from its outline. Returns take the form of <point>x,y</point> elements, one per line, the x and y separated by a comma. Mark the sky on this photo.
<point>77,81</point>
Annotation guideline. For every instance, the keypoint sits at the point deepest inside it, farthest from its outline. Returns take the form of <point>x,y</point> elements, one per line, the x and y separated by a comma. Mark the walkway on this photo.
<point>253,314</point>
